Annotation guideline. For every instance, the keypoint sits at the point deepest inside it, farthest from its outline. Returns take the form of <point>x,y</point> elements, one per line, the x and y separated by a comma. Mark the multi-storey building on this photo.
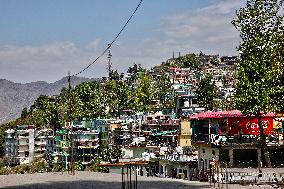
<point>11,146</point>
<point>25,143</point>
<point>79,141</point>
<point>230,60</point>
<point>233,138</point>
<point>43,143</point>
<point>184,138</point>
<point>161,130</point>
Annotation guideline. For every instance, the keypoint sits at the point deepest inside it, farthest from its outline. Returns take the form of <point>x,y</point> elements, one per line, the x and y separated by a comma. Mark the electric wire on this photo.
<point>113,41</point>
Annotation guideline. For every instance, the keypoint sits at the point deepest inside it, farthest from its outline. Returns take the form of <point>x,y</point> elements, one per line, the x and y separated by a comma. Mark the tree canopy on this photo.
<point>260,86</point>
<point>206,92</point>
<point>260,75</point>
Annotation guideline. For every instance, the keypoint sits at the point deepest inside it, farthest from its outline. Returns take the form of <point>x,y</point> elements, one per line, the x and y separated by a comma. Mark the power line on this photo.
<point>110,44</point>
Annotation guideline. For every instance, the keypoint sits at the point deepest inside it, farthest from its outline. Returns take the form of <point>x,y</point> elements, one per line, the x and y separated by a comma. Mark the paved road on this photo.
<point>91,180</point>
<point>88,180</point>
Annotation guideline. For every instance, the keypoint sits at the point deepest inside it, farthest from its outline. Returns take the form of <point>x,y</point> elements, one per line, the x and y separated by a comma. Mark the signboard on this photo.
<point>249,126</point>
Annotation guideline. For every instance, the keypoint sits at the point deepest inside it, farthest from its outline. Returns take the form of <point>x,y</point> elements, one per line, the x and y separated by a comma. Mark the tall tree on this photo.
<point>109,98</point>
<point>164,91</point>
<point>87,101</point>
<point>143,94</point>
<point>24,113</point>
<point>190,60</point>
<point>124,96</point>
<point>260,75</point>
<point>206,92</point>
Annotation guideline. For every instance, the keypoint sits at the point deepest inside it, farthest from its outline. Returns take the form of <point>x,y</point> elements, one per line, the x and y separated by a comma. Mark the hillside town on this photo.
<point>127,119</point>
<point>188,141</point>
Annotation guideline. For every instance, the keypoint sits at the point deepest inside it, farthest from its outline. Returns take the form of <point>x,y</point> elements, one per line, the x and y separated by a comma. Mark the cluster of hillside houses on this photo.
<point>179,142</point>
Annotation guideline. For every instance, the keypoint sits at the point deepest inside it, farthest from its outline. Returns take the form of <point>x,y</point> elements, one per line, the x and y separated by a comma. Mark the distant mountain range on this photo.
<point>16,96</point>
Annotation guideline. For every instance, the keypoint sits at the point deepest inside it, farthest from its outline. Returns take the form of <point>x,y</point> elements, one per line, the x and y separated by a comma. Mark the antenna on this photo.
<point>109,65</point>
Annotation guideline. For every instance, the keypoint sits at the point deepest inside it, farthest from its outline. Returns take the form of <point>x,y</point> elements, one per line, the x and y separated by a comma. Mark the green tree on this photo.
<point>143,94</point>
<point>43,113</point>
<point>206,92</point>
<point>116,153</point>
<point>215,61</point>
<point>164,91</point>
<point>114,75</point>
<point>87,101</point>
<point>109,98</point>
<point>260,75</point>
<point>63,105</point>
<point>124,96</point>
<point>190,60</point>
<point>24,113</point>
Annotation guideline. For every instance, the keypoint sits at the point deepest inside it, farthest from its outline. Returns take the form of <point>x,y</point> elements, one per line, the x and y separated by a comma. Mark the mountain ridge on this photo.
<point>16,96</point>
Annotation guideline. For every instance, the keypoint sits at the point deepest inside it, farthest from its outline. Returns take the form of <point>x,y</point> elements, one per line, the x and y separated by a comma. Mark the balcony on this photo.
<point>125,136</point>
<point>40,143</point>
<point>224,140</point>
<point>39,155</point>
<point>23,137</point>
<point>200,138</point>
<point>161,122</point>
<point>39,149</point>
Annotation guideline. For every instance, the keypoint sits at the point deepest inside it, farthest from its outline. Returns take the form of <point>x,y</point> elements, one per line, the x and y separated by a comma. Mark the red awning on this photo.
<point>225,114</point>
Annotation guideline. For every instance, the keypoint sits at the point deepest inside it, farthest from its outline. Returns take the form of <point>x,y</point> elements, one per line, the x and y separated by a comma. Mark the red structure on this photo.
<point>234,122</point>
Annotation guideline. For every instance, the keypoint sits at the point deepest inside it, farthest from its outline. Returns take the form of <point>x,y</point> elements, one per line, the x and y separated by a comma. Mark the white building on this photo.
<point>26,143</point>
<point>11,145</point>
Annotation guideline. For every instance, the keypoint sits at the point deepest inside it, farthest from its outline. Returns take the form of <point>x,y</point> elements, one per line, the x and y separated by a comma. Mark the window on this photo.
<point>203,150</point>
<point>213,152</point>
<point>26,154</point>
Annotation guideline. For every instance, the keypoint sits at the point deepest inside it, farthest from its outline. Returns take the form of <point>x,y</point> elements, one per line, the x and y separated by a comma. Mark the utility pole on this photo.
<point>71,130</point>
<point>109,65</point>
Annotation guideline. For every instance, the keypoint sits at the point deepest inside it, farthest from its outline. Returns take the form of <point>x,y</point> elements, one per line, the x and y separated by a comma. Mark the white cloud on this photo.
<point>207,29</point>
<point>93,45</point>
<point>48,62</point>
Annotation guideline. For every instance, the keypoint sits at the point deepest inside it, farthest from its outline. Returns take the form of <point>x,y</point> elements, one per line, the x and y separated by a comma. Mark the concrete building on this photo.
<point>184,138</point>
<point>43,143</point>
<point>233,139</point>
<point>160,129</point>
<point>11,146</point>
<point>26,143</point>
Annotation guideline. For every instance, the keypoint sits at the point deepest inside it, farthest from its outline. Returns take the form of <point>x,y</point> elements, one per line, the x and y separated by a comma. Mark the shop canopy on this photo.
<point>164,133</point>
<point>225,114</point>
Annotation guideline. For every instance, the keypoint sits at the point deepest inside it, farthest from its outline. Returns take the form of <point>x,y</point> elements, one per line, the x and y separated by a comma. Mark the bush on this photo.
<point>79,166</point>
<point>38,166</point>
<point>5,171</point>
<point>93,166</point>
<point>58,167</point>
<point>20,169</point>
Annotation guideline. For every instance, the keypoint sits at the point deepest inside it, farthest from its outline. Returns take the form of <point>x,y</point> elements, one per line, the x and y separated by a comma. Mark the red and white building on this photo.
<point>233,138</point>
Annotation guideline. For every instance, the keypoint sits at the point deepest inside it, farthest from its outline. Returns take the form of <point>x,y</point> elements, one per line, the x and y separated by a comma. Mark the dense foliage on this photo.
<point>206,92</point>
<point>190,60</point>
<point>96,99</point>
<point>260,86</point>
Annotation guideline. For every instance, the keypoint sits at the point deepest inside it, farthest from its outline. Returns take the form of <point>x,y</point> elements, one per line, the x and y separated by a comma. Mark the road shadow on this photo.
<point>92,184</point>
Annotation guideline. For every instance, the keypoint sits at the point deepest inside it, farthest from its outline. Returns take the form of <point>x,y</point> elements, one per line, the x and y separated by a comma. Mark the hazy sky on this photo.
<point>43,40</point>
